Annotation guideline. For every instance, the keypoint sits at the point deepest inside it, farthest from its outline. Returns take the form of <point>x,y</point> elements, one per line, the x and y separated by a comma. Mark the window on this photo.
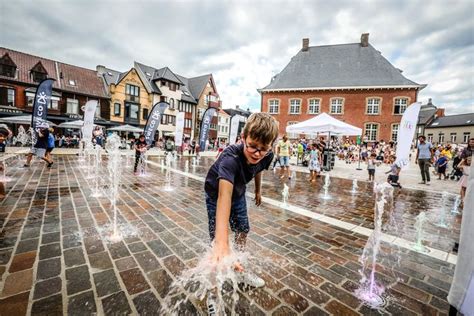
<point>314,106</point>
<point>465,137</point>
<point>72,82</point>
<point>400,105</point>
<point>430,138</point>
<point>188,123</point>
<point>373,106</point>
<point>132,92</point>
<point>441,138</point>
<point>7,70</point>
<point>145,114</point>
<point>173,86</point>
<point>131,111</point>
<point>336,106</point>
<point>117,108</point>
<point>273,106</point>
<point>171,104</point>
<point>453,137</point>
<point>38,76</point>
<point>395,128</point>
<point>72,106</point>
<point>53,104</point>
<point>7,96</point>
<point>163,99</point>
<point>371,130</point>
<point>295,106</point>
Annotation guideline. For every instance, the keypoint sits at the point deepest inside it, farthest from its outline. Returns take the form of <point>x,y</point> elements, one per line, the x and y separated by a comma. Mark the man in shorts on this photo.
<point>283,151</point>
<point>39,149</point>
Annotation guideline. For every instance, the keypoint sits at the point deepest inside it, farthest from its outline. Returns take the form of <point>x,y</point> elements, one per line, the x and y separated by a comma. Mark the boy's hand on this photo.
<point>258,198</point>
<point>219,252</point>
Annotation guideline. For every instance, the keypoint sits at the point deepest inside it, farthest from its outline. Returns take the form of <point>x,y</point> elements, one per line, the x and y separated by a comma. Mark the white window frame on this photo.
<point>430,138</point>
<point>314,106</point>
<point>373,106</point>
<point>453,139</point>
<point>466,136</point>
<point>441,138</point>
<point>372,137</point>
<point>398,101</point>
<point>11,93</point>
<point>274,106</point>
<point>395,129</point>
<point>336,107</point>
<point>72,106</point>
<point>293,106</point>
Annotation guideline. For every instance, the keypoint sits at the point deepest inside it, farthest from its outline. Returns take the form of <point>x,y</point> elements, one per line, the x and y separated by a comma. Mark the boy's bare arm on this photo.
<point>224,201</point>
<point>258,186</point>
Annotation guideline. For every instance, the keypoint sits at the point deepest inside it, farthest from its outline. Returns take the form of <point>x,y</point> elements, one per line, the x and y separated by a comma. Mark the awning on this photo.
<point>324,123</point>
<point>21,119</point>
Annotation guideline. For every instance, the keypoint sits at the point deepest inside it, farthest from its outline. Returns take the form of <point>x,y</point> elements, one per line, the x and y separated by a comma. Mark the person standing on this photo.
<point>314,163</point>
<point>283,151</point>
<point>424,155</point>
<point>39,149</point>
<point>51,145</point>
<point>469,150</point>
<point>140,149</point>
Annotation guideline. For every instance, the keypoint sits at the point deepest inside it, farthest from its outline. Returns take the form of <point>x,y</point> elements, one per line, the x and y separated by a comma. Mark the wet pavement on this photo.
<point>56,256</point>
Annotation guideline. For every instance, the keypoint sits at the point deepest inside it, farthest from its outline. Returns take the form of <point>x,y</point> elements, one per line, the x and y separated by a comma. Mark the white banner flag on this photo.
<point>178,134</point>
<point>89,113</point>
<point>406,131</point>
<point>234,128</point>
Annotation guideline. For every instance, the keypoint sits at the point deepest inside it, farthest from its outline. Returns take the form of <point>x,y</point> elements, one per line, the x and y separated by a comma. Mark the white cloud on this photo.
<point>245,43</point>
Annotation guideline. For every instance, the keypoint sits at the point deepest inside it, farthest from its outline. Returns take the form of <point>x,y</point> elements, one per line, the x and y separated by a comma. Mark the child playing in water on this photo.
<point>371,166</point>
<point>394,171</point>
<point>314,163</point>
<point>225,187</point>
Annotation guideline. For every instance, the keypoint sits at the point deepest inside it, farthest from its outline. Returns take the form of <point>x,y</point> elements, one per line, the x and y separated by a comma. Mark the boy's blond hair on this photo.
<point>261,127</point>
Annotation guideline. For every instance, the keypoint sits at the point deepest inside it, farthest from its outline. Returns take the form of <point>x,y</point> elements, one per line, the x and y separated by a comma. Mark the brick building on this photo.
<point>352,82</point>
<point>20,74</point>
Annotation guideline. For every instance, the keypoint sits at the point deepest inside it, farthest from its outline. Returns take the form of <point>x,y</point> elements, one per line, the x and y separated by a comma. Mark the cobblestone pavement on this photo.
<point>56,257</point>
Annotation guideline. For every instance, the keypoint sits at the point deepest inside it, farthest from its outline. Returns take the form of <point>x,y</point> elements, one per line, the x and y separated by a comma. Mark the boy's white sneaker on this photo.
<point>211,303</point>
<point>251,279</point>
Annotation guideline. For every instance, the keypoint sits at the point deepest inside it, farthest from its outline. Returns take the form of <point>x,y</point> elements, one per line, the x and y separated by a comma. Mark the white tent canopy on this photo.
<point>324,123</point>
<point>21,119</point>
<point>126,128</point>
<point>73,124</point>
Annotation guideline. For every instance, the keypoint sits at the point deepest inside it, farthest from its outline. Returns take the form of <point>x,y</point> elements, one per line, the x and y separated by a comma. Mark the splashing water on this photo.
<point>168,186</point>
<point>420,220</point>
<point>97,177</point>
<point>186,166</point>
<point>5,178</point>
<point>285,193</point>
<point>327,182</point>
<point>142,164</point>
<point>23,137</point>
<point>114,168</point>
<point>443,211</point>
<point>369,290</point>
<point>354,186</point>
<point>457,203</point>
<point>208,278</point>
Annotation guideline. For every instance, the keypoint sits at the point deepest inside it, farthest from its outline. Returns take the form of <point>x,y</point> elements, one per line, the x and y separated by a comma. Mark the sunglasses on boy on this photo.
<point>252,149</point>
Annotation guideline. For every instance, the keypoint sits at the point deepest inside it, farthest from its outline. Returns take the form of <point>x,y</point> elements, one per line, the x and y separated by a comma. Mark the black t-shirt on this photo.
<point>140,144</point>
<point>233,167</point>
<point>42,141</point>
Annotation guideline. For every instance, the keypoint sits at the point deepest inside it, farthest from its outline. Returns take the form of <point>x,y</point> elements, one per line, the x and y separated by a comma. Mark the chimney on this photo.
<point>364,40</point>
<point>305,45</point>
<point>100,69</point>
<point>429,102</point>
<point>439,112</point>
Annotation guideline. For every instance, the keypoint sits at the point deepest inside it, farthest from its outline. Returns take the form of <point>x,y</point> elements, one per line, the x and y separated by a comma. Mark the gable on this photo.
<point>6,60</point>
<point>39,68</point>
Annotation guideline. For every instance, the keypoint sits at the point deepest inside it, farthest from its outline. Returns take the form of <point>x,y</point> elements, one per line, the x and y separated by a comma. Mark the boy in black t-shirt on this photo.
<point>225,187</point>
<point>140,149</point>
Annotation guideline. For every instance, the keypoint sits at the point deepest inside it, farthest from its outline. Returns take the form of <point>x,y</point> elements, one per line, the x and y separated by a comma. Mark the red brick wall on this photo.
<point>354,110</point>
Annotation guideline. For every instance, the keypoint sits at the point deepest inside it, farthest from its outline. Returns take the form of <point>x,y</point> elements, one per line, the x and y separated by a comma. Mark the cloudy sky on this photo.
<point>244,43</point>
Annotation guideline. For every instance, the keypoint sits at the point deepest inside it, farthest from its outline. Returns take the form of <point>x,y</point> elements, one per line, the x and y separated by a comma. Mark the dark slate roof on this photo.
<point>153,74</point>
<point>112,76</point>
<point>453,121</point>
<point>197,84</point>
<point>427,113</point>
<point>333,66</point>
<point>86,81</point>
<point>166,73</point>
<point>238,111</point>
<point>149,73</point>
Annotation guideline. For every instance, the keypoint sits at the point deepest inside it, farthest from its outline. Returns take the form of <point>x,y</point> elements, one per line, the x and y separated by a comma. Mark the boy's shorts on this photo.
<point>239,221</point>
<point>38,152</point>
<point>393,178</point>
<point>284,161</point>
<point>371,172</point>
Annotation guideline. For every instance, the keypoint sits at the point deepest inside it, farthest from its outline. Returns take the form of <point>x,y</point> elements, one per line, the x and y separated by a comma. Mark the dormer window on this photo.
<point>72,82</point>
<point>7,66</point>
<point>38,72</point>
